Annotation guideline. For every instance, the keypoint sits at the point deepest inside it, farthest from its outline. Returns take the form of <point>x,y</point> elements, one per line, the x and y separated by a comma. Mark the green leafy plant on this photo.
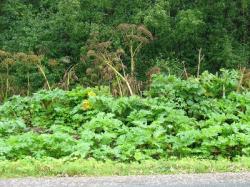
<point>206,117</point>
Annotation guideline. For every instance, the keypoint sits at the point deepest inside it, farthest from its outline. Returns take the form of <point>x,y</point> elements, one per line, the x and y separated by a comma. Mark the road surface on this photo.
<point>183,180</point>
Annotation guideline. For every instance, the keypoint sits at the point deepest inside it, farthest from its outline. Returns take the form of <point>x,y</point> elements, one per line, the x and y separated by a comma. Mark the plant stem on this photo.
<point>120,75</point>
<point>44,76</point>
<point>241,79</point>
<point>200,59</point>
<point>28,91</point>
<point>132,59</point>
<point>7,81</point>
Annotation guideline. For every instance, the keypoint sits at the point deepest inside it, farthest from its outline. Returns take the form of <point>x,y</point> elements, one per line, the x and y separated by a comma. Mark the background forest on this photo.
<point>63,43</point>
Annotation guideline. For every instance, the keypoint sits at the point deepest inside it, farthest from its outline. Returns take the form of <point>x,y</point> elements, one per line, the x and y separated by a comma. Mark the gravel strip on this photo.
<point>182,180</point>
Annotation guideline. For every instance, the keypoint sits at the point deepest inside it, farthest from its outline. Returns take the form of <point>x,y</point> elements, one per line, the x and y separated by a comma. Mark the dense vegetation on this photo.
<point>208,117</point>
<point>170,35</point>
<point>128,81</point>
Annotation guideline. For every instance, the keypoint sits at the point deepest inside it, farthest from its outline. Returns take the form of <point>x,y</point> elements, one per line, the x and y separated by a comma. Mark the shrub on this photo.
<point>202,117</point>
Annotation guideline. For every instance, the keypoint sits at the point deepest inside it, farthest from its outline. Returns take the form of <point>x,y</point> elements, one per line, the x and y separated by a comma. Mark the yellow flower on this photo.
<point>86,105</point>
<point>91,93</point>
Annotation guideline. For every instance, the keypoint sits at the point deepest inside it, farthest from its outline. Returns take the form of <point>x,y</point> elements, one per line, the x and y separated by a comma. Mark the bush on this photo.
<point>202,117</point>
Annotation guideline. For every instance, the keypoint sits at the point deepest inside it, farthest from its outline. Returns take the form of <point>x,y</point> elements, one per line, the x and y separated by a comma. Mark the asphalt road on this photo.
<point>183,180</point>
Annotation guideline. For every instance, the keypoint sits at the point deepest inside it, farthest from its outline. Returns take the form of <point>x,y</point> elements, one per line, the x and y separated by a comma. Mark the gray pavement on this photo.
<point>183,180</point>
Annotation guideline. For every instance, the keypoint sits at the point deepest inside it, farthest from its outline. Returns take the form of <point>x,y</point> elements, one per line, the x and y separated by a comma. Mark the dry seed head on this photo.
<point>107,76</point>
<point>105,70</point>
<point>138,38</point>
<point>33,59</point>
<point>126,27</point>
<point>116,59</point>
<point>152,71</point>
<point>103,45</point>
<point>120,51</point>
<point>145,31</point>
<point>21,56</point>
<point>8,61</point>
<point>123,27</point>
<point>119,66</point>
<point>91,53</point>
<point>91,46</point>
<point>53,62</point>
<point>110,70</point>
<point>89,71</point>
<point>4,54</point>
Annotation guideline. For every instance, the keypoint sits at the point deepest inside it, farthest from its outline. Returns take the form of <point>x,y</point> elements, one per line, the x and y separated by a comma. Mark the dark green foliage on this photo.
<point>61,29</point>
<point>203,117</point>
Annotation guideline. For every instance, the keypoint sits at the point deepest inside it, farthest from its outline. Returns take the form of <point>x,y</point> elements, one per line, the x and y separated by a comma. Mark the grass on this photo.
<point>60,167</point>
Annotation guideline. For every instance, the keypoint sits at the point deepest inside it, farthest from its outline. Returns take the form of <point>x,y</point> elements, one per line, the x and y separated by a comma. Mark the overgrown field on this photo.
<point>207,117</point>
